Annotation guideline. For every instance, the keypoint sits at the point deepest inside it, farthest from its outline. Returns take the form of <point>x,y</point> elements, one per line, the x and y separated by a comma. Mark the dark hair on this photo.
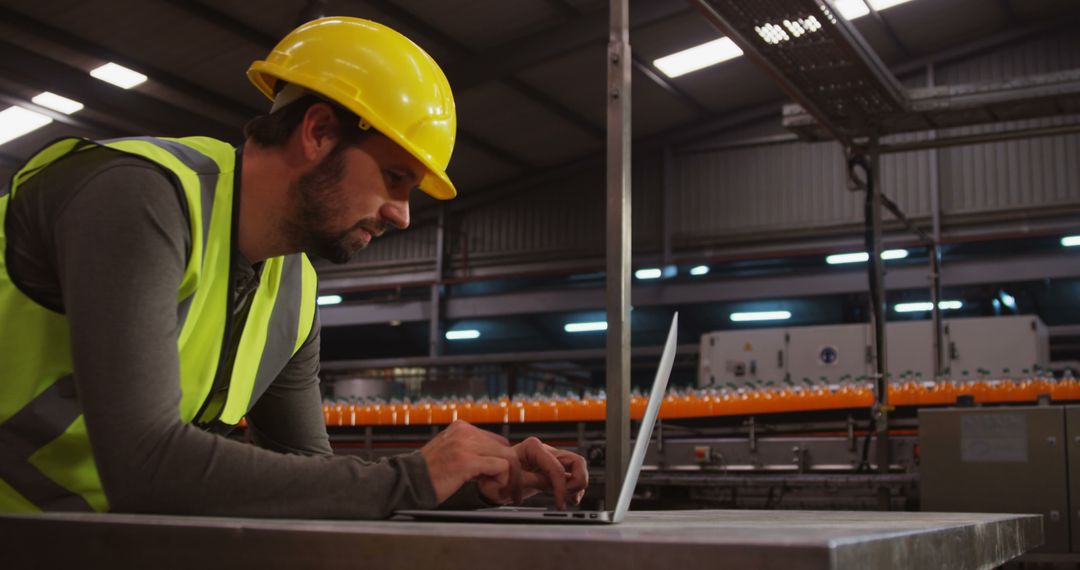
<point>274,129</point>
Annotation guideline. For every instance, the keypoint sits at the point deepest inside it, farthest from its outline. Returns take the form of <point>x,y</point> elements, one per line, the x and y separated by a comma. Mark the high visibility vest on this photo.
<point>45,458</point>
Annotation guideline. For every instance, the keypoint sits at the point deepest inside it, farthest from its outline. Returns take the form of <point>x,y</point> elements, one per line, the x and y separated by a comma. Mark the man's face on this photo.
<point>353,196</point>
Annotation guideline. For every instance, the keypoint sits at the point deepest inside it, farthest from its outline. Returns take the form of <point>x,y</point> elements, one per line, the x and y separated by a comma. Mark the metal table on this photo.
<point>685,540</point>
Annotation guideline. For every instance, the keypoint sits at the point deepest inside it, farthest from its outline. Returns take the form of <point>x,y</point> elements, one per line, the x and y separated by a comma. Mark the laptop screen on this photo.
<point>656,397</point>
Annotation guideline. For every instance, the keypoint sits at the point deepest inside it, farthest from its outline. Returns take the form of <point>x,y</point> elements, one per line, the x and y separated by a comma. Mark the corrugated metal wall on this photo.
<point>773,188</point>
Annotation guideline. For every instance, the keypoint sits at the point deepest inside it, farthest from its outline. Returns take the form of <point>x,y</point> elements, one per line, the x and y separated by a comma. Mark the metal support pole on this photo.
<point>878,315</point>
<point>935,298</point>
<point>435,328</point>
<point>934,252</point>
<point>617,426</point>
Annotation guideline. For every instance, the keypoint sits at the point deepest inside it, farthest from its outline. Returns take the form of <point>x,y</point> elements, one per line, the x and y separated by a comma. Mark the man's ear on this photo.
<point>318,132</point>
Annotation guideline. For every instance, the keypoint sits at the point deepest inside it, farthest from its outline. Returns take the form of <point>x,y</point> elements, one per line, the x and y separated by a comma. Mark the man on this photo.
<point>152,294</point>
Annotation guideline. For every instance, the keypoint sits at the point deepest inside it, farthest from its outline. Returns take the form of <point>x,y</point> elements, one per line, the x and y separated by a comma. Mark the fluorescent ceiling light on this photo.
<point>839,258</point>
<point>851,9</point>
<point>650,273</point>
<point>328,299</point>
<point>118,75</point>
<point>699,270</point>
<point>761,316</point>
<point>585,327</point>
<point>862,256</point>
<point>57,103</point>
<point>17,121</point>
<point>1070,241</point>
<point>468,334</point>
<point>698,57</point>
<point>924,306</point>
<point>883,4</point>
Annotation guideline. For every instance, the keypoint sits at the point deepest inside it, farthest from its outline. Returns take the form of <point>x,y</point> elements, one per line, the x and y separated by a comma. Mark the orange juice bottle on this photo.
<point>337,417</point>
<point>326,407</point>
<point>421,412</point>
<point>637,404</point>
<point>440,412</point>
<point>481,411</point>
<point>517,410</point>
<point>739,401</point>
<point>503,414</point>
<point>570,408</point>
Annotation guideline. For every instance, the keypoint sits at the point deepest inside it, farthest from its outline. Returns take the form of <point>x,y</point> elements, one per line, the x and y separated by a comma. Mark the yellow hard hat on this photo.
<point>387,80</point>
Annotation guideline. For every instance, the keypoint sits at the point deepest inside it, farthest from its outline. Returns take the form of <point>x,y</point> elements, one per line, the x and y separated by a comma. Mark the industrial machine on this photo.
<point>994,344</point>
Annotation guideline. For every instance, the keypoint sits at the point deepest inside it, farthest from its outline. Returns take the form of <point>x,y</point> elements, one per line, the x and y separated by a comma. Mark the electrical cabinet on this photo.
<point>999,460</point>
<point>734,357</point>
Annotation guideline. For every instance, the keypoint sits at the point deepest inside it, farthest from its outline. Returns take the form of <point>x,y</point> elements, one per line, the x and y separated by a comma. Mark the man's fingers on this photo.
<point>575,465</point>
<point>544,461</point>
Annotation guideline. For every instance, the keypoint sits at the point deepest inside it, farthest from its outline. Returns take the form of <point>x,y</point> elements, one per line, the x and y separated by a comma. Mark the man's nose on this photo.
<point>397,213</point>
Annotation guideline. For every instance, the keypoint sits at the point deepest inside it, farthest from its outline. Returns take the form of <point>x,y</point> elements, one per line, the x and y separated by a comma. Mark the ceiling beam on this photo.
<point>77,121</point>
<point>510,58</point>
<point>153,115</point>
<point>653,74</point>
<point>73,42</point>
<point>889,31</point>
<point>445,40</point>
<point>227,22</point>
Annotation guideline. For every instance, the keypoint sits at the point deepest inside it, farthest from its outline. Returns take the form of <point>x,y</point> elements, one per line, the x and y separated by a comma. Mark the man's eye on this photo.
<point>395,178</point>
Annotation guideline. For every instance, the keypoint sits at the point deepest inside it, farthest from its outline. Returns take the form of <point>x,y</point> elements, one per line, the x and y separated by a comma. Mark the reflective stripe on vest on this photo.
<point>45,458</point>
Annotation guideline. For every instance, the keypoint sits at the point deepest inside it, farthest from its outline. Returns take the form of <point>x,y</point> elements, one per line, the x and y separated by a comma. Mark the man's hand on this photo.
<point>462,452</point>
<point>544,468</point>
<point>504,474</point>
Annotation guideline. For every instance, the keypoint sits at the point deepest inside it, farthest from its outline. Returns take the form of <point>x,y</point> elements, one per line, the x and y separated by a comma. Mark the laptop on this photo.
<point>626,491</point>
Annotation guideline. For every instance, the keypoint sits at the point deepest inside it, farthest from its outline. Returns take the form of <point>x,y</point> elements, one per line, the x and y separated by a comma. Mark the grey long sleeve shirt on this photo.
<point>103,237</point>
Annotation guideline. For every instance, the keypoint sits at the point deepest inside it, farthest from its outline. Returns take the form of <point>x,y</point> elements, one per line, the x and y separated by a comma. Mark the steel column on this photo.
<point>934,253</point>
<point>435,324</point>
<point>878,314</point>
<point>617,430</point>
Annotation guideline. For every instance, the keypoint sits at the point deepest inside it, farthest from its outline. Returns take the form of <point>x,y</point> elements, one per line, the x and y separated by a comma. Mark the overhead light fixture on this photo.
<point>57,103</point>
<point>698,57</point>
<point>585,327</point>
<point>17,121</point>
<point>328,299</point>
<point>1070,241</point>
<point>776,33</point>
<point>467,334</point>
<point>650,273</point>
<point>862,256</point>
<point>924,306</point>
<point>761,316</point>
<point>883,4</point>
<point>1007,300</point>
<point>699,270</point>
<point>851,9</point>
<point>118,75</point>
<point>840,258</point>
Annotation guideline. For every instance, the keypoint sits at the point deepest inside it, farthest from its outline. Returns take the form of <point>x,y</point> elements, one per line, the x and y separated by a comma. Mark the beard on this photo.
<point>320,199</point>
